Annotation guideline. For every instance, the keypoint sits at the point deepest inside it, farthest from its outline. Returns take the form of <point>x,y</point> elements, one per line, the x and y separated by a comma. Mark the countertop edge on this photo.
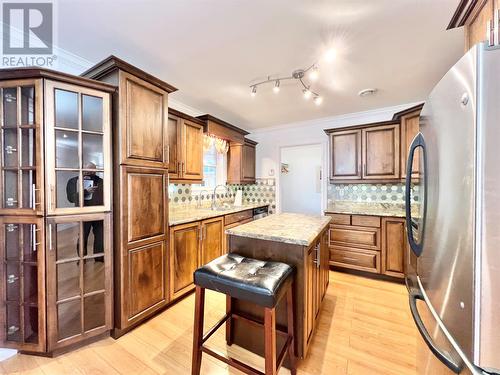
<point>214,215</point>
<point>286,240</point>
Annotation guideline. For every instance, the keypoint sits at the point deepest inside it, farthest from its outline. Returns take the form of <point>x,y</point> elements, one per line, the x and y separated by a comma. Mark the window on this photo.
<point>214,169</point>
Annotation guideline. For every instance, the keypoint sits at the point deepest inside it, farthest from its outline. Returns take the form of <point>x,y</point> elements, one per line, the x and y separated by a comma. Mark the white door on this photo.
<point>300,179</point>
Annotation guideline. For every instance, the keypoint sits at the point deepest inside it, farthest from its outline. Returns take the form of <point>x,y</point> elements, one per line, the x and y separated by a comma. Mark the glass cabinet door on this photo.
<point>78,278</point>
<point>21,168</point>
<point>23,283</point>
<point>78,157</point>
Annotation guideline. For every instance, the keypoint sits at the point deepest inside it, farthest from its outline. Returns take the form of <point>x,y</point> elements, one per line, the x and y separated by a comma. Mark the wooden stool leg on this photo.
<point>291,331</point>
<point>229,322</point>
<point>270,340</point>
<point>199,311</point>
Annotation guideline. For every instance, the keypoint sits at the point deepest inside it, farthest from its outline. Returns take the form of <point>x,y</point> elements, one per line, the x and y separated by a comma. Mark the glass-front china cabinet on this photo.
<point>55,210</point>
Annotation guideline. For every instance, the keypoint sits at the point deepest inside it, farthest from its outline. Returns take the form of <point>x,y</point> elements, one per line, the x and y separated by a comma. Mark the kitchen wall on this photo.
<point>263,191</point>
<point>271,140</point>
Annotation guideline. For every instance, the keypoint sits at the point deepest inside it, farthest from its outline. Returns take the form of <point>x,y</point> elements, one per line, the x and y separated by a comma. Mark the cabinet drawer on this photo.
<point>340,219</point>
<point>358,237</point>
<point>364,260</point>
<point>366,221</point>
<point>238,216</point>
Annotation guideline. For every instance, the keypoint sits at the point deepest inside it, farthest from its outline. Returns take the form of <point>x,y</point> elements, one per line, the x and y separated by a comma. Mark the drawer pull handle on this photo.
<point>11,279</point>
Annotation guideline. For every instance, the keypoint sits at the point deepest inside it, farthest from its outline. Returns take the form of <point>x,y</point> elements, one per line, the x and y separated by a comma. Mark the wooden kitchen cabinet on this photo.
<point>394,247</point>
<point>410,126</point>
<point>142,139</point>
<point>22,286</point>
<point>191,246</point>
<point>141,237</point>
<point>368,243</point>
<point>22,164</point>
<point>212,242</point>
<point>55,220</point>
<point>474,16</point>
<point>186,148</point>
<point>345,155</point>
<point>79,278</point>
<point>184,257</point>
<point>241,162</point>
<point>380,152</point>
<point>140,113</point>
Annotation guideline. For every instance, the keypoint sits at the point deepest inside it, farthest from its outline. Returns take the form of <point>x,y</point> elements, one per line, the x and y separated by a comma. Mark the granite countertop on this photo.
<point>369,208</point>
<point>296,229</point>
<point>188,214</point>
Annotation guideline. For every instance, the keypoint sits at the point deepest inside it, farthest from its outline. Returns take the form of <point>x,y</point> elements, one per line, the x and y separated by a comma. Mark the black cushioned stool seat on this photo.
<point>260,282</point>
<point>248,279</point>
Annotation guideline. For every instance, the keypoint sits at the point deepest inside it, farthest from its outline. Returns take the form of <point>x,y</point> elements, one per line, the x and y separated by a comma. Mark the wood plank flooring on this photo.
<point>365,328</point>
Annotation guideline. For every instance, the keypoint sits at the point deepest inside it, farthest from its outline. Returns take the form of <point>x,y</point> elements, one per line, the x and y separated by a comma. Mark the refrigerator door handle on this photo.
<point>417,142</point>
<point>415,295</point>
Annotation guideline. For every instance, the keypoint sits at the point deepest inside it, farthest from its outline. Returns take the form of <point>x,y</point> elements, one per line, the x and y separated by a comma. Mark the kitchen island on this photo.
<point>298,240</point>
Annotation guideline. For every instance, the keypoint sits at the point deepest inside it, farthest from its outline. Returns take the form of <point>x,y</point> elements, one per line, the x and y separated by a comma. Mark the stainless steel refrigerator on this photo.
<point>454,227</point>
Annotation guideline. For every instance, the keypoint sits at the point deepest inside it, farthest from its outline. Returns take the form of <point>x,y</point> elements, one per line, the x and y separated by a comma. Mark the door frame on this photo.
<point>324,169</point>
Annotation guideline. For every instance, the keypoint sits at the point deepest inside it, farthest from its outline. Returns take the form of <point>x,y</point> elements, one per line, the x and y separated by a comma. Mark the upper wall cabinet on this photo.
<point>78,144</point>
<point>345,155</point>
<point>186,147</point>
<point>380,152</point>
<point>410,125</point>
<point>241,155</point>
<point>141,110</point>
<point>241,163</point>
<point>373,152</point>
<point>474,16</point>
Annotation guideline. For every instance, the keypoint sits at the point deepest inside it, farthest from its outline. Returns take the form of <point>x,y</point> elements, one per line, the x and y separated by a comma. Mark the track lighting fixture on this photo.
<point>298,75</point>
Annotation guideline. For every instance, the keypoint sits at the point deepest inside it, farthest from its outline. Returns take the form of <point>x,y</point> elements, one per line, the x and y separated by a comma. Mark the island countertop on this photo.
<point>297,229</point>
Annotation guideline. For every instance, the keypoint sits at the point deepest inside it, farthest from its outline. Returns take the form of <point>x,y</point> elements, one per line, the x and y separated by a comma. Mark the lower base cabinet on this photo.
<point>56,281</point>
<point>191,246</point>
<point>368,243</point>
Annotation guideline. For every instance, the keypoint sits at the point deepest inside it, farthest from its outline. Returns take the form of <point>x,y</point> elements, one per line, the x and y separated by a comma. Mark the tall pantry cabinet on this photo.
<point>141,160</point>
<point>55,210</point>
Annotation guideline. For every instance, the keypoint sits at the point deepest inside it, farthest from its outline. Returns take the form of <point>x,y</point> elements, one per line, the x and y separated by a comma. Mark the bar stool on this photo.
<point>260,282</point>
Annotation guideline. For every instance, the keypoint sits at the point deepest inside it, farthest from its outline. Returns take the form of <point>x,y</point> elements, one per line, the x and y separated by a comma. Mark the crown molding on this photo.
<point>358,118</point>
<point>184,108</point>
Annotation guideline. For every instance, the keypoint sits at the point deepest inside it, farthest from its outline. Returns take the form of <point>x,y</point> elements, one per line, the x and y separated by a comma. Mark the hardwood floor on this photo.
<point>365,328</point>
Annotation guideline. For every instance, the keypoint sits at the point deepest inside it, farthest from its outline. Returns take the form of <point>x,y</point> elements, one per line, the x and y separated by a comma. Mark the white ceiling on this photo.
<point>212,49</point>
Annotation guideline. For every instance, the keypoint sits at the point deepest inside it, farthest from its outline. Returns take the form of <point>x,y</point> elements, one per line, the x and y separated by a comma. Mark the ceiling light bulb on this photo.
<point>330,55</point>
<point>276,87</point>
<point>307,94</point>
<point>254,91</point>
<point>313,74</point>
<point>318,100</point>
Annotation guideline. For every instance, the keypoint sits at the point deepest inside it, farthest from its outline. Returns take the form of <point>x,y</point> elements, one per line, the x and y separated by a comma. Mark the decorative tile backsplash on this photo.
<point>263,191</point>
<point>384,193</point>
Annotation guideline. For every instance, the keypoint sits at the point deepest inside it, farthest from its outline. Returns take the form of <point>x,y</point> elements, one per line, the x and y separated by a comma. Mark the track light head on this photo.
<point>254,91</point>
<point>276,87</point>
<point>318,100</point>
<point>307,94</point>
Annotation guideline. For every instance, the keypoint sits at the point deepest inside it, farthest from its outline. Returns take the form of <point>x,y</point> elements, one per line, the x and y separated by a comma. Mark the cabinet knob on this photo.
<point>12,329</point>
<point>11,279</point>
<point>10,149</point>
<point>11,202</point>
<point>11,227</point>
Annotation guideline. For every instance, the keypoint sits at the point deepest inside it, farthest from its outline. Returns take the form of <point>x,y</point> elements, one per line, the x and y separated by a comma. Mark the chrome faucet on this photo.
<point>214,199</point>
